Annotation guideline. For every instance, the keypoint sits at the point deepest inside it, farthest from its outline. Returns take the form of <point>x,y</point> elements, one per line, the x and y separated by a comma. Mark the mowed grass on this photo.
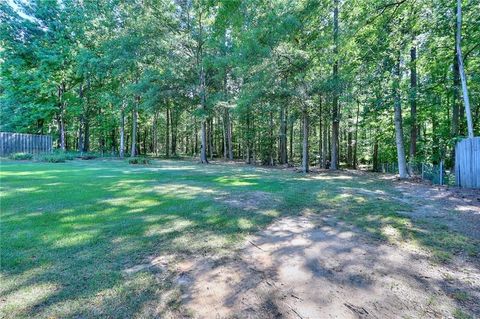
<point>70,230</point>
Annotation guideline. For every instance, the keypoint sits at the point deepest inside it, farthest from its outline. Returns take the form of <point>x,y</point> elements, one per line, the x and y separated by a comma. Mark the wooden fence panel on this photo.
<point>24,143</point>
<point>467,162</point>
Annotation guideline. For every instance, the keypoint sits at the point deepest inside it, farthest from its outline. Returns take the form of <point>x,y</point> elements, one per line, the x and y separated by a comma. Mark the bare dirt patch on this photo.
<point>457,208</point>
<point>316,267</point>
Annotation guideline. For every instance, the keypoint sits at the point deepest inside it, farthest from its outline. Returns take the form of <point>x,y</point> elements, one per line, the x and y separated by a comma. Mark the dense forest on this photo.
<point>333,83</point>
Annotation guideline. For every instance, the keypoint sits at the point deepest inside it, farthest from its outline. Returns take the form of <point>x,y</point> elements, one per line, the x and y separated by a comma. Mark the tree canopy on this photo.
<point>332,82</point>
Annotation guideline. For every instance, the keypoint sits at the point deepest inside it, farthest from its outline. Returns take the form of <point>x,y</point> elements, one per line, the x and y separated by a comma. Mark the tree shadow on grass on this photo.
<point>92,226</point>
<point>81,251</point>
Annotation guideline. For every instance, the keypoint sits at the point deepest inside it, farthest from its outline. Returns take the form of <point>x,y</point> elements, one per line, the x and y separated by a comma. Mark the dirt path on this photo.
<point>314,266</point>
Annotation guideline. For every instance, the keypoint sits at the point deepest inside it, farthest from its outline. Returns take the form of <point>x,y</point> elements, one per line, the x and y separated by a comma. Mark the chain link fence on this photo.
<point>436,174</point>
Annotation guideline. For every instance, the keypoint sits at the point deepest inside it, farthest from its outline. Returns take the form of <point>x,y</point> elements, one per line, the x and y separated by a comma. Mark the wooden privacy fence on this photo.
<point>467,162</point>
<point>24,143</point>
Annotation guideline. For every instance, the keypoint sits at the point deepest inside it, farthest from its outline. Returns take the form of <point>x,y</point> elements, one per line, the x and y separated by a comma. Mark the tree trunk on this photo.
<point>321,160</point>
<point>305,125</point>
<point>61,115</point>
<point>227,143</point>
<point>195,128</point>
<point>230,139</point>
<point>355,145</point>
<point>40,126</point>
<point>248,141</point>
<point>167,132</point>
<point>81,120</point>
<point>155,133</point>
<point>86,134</point>
<point>335,138</point>
<point>80,134</point>
<point>454,128</point>
<point>187,142</point>
<point>202,91</point>
<point>272,160</point>
<point>61,129</point>
<point>122,132</point>
<point>325,151</point>
<point>335,108</point>
<point>283,159</point>
<point>210,135</point>
<point>254,140</point>
<point>291,139</point>
<point>127,139</point>
<point>413,105</point>
<point>203,151</point>
<point>349,137</point>
<point>436,156</point>
<point>375,155</point>
<point>133,149</point>
<point>402,165</point>
<point>461,69</point>
<point>455,98</point>
<point>145,132</point>
<point>225,134</point>
<point>173,129</point>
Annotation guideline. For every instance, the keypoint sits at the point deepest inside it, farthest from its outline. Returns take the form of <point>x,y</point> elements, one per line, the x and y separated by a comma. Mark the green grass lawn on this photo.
<point>69,230</point>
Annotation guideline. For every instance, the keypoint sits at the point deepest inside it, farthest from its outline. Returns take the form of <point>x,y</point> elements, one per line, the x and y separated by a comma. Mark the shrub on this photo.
<point>139,160</point>
<point>65,154</point>
<point>21,156</point>
<point>88,156</point>
<point>68,156</point>
<point>53,158</point>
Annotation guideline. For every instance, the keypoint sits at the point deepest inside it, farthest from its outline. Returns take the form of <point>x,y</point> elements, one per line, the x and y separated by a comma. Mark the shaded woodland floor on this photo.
<point>176,239</point>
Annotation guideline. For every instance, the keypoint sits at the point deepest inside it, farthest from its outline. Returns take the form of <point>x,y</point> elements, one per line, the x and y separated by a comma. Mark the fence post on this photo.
<point>423,169</point>
<point>441,172</point>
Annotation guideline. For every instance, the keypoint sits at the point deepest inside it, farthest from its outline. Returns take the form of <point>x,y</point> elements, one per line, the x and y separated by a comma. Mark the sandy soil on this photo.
<point>458,208</point>
<point>314,266</point>
<point>311,267</point>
